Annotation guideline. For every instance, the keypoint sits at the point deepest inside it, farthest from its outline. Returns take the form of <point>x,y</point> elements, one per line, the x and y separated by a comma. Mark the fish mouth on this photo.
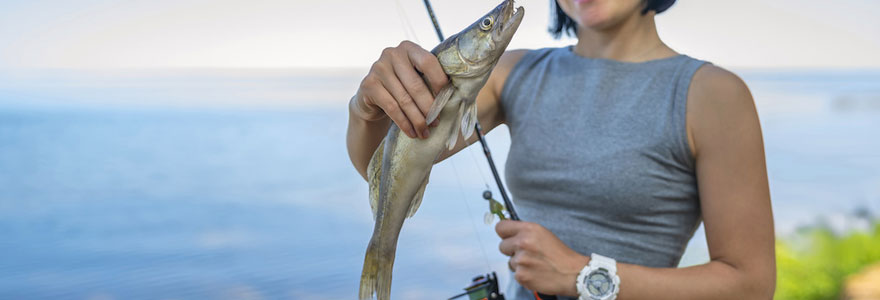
<point>513,17</point>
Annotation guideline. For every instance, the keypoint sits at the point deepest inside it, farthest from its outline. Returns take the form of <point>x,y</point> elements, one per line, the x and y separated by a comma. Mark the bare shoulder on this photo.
<point>719,102</point>
<point>489,99</point>
<point>510,58</point>
<point>714,84</point>
<point>505,64</point>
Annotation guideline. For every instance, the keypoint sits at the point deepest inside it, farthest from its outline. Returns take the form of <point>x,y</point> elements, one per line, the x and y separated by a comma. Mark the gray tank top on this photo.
<point>599,154</point>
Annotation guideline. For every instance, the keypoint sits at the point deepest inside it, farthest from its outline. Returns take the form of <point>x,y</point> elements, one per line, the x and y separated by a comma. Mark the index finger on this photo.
<point>429,66</point>
<point>507,228</point>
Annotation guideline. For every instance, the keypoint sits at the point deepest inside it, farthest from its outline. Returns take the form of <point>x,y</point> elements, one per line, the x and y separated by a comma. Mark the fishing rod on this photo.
<point>487,195</point>
<point>479,131</point>
<point>507,202</point>
<point>434,20</point>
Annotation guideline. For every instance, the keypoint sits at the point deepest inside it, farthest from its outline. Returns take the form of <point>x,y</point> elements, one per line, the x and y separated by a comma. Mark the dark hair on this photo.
<point>561,23</point>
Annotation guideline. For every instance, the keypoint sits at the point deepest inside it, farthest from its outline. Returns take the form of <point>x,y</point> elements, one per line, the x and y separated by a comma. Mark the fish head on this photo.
<point>475,50</point>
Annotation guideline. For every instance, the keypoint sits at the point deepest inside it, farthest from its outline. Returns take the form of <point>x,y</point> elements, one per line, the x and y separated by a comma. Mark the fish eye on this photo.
<point>486,24</point>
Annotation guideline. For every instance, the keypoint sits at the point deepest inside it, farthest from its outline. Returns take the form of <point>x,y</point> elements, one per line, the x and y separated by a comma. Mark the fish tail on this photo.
<point>376,276</point>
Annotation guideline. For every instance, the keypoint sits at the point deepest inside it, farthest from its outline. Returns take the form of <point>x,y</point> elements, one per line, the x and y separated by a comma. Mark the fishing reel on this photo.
<point>483,287</point>
<point>486,287</point>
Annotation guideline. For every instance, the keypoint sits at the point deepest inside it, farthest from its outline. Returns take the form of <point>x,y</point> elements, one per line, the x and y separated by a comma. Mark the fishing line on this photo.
<point>477,164</point>
<point>470,216</point>
<point>408,31</point>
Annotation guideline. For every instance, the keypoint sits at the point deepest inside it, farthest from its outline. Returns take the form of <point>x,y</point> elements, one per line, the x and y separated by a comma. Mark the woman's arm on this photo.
<point>726,140</point>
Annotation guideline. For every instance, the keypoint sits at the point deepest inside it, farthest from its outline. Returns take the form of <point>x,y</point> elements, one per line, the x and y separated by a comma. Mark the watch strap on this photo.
<point>600,261</point>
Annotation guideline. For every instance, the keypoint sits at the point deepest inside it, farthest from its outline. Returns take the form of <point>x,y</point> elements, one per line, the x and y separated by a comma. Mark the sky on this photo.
<point>104,34</point>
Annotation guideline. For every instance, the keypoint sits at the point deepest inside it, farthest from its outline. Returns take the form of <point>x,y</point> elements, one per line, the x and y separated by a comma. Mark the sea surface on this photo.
<point>235,184</point>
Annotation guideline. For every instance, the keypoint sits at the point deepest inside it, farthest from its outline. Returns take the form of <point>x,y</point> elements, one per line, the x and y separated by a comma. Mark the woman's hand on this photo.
<point>541,261</point>
<point>394,88</point>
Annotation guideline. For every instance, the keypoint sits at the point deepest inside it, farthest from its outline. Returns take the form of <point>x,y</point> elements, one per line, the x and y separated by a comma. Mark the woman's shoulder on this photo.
<point>509,61</point>
<point>717,100</point>
<point>511,58</point>
<point>505,65</point>
<point>715,86</point>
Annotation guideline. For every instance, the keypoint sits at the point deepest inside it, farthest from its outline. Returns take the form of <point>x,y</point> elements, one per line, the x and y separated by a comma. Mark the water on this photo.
<point>236,185</point>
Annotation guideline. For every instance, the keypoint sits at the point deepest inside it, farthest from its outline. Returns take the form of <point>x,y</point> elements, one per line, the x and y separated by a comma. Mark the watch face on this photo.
<point>599,283</point>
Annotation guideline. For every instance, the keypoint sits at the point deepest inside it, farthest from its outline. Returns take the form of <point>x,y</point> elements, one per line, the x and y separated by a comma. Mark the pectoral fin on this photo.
<point>439,102</point>
<point>468,118</point>
<point>374,176</point>
<point>453,134</point>
<point>417,199</point>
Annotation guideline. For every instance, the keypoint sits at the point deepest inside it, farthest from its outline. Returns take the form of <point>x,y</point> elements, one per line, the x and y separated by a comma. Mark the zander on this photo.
<point>399,169</point>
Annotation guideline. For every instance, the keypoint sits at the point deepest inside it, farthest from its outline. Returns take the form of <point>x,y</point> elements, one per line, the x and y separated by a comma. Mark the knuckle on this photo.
<point>405,99</point>
<point>523,261</point>
<point>429,61</point>
<point>417,85</point>
<point>518,244</point>
<point>380,68</point>
<point>387,53</point>
<point>421,59</point>
<point>527,242</point>
<point>405,44</point>
<point>391,110</point>
<point>369,81</point>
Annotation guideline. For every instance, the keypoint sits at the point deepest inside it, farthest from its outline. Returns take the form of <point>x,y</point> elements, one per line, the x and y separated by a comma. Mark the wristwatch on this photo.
<point>598,280</point>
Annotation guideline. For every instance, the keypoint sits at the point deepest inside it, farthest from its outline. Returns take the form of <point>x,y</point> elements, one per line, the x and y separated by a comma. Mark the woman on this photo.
<point>619,147</point>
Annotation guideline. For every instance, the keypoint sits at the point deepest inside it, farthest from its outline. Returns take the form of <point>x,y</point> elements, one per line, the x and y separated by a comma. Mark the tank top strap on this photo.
<point>683,81</point>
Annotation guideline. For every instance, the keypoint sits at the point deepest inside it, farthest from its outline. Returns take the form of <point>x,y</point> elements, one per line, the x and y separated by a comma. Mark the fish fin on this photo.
<point>453,135</point>
<point>439,102</point>
<point>374,177</point>
<point>376,276</point>
<point>468,118</point>
<point>417,199</point>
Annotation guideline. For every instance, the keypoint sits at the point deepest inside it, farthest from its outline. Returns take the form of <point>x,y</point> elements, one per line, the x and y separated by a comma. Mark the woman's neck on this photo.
<point>634,39</point>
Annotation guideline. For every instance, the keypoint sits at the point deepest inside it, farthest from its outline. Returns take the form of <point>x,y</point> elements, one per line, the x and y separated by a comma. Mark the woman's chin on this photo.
<point>595,23</point>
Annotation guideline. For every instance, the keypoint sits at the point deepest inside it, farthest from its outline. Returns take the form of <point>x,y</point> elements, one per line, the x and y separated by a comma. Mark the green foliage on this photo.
<point>814,263</point>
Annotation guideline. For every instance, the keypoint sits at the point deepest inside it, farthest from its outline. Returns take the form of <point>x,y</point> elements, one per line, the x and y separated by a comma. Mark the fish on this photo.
<point>399,168</point>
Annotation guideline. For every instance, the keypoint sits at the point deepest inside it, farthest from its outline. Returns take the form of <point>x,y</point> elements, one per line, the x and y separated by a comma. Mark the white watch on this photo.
<point>598,280</point>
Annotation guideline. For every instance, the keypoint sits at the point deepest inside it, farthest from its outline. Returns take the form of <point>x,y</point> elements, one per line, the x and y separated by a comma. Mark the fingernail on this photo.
<point>426,133</point>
